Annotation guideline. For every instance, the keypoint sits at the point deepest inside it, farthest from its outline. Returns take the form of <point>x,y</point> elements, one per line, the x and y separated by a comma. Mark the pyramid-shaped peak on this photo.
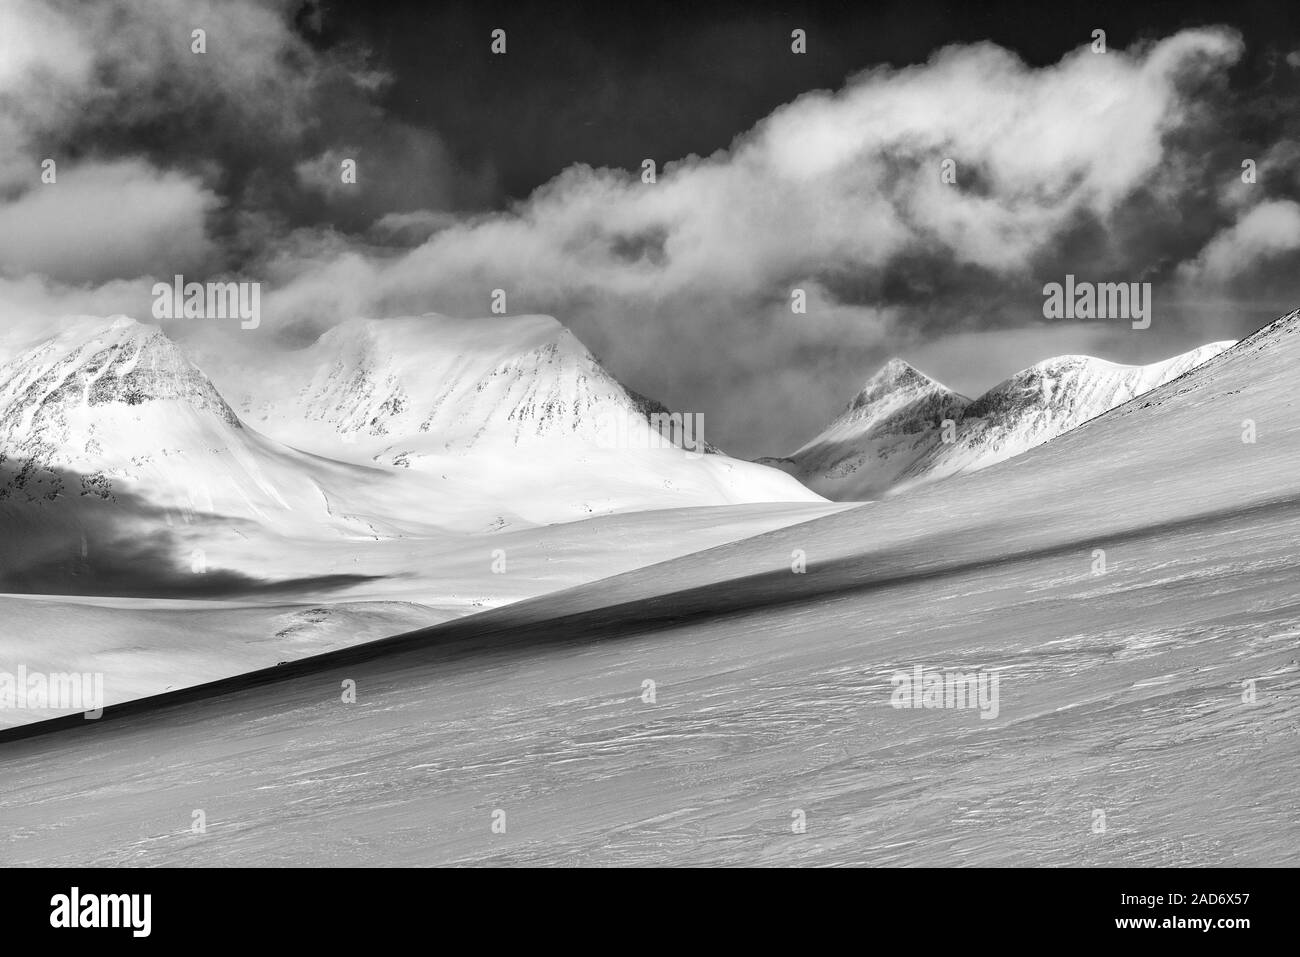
<point>895,369</point>
<point>896,375</point>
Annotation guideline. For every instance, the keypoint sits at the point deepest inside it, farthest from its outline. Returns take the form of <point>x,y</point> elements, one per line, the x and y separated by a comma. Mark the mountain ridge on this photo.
<point>892,436</point>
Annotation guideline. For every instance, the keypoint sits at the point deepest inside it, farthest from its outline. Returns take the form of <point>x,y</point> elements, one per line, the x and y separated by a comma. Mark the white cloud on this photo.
<point>101,221</point>
<point>1262,234</point>
<point>412,228</point>
<point>845,181</point>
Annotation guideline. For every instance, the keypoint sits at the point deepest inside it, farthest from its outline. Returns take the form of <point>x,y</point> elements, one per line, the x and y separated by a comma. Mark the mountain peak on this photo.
<point>113,362</point>
<point>416,387</point>
<point>898,366</point>
<point>119,321</point>
<point>895,371</point>
<point>896,377</point>
<point>898,403</point>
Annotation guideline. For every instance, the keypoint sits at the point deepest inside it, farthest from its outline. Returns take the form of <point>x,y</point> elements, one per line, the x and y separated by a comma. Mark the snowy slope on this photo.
<point>890,437</point>
<point>148,645</point>
<point>1121,692</point>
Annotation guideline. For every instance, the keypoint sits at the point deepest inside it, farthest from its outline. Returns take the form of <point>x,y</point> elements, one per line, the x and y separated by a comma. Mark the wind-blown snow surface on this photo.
<point>1121,692</point>
<point>890,437</point>
<point>146,646</point>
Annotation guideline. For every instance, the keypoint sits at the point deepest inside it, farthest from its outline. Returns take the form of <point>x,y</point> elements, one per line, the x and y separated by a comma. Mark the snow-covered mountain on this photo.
<point>515,413</point>
<point>379,431</point>
<point>883,431</point>
<point>892,436</point>
<point>394,390</point>
<point>116,403</point>
<point>124,471</point>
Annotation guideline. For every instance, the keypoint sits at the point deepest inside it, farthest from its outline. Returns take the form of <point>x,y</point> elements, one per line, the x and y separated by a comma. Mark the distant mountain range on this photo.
<point>892,435</point>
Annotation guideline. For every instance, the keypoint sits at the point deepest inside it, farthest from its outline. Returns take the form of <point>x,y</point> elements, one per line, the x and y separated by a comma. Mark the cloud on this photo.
<point>232,139</point>
<point>100,221</point>
<point>850,181</point>
<point>411,228</point>
<point>1260,236</point>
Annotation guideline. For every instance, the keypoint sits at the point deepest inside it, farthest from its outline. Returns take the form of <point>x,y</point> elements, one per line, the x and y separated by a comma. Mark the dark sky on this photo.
<point>608,84</point>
